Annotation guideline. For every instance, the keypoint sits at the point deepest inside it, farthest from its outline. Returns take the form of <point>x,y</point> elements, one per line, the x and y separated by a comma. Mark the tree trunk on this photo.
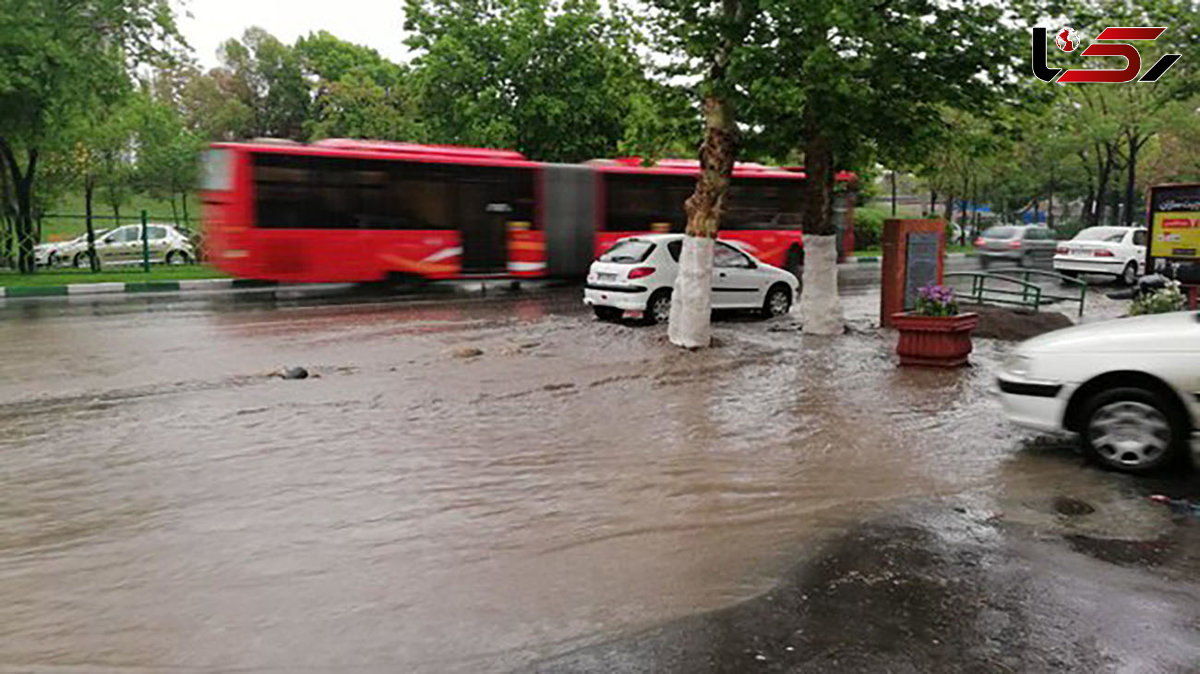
<point>1050,202</point>
<point>691,302</point>
<point>893,194</point>
<point>174,211</point>
<point>1102,180</point>
<point>820,305</point>
<point>690,323</point>
<point>948,209</point>
<point>1130,180</point>
<point>186,220</point>
<point>23,191</point>
<point>932,202</point>
<point>116,215</point>
<point>89,188</point>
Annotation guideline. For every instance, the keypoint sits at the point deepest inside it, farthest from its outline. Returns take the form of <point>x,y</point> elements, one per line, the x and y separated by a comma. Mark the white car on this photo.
<point>1114,251</point>
<point>635,277</point>
<point>1127,387</point>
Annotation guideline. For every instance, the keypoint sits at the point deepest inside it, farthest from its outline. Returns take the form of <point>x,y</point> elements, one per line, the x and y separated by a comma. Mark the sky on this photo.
<point>205,24</point>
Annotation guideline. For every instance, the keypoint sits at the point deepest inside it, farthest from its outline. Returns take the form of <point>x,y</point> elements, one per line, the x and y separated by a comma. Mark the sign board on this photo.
<point>921,264</point>
<point>1175,222</point>
<point>913,253</point>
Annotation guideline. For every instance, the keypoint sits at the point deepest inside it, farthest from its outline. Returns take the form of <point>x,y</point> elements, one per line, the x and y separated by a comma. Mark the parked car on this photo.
<point>1026,246</point>
<point>123,246</point>
<point>50,254</point>
<point>1127,387</point>
<point>1114,251</point>
<point>636,276</point>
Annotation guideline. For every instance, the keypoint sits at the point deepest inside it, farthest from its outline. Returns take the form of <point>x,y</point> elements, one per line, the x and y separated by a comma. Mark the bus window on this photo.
<point>761,203</point>
<point>636,202</point>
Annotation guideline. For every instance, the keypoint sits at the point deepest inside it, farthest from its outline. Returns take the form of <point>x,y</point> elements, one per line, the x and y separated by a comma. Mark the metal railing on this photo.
<point>1015,287</point>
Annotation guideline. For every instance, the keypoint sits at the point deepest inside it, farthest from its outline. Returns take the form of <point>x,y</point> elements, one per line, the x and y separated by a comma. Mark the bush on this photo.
<point>1162,301</point>
<point>868,228</point>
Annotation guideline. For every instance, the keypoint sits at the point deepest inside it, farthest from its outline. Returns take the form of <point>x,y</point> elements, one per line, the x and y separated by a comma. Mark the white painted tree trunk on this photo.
<point>820,306</point>
<point>691,302</point>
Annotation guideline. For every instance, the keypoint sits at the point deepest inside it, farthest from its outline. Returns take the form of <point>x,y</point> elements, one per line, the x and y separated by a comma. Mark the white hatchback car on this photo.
<point>1114,251</point>
<point>1128,387</point>
<point>635,277</point>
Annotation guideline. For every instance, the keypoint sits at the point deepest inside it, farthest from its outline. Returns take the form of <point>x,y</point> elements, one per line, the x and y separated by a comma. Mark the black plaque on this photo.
<point>920,265</point>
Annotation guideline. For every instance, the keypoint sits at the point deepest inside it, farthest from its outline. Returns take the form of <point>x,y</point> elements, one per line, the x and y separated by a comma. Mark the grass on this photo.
<point>950,248</point>
<point>69,221</point>
<point>59,277</point>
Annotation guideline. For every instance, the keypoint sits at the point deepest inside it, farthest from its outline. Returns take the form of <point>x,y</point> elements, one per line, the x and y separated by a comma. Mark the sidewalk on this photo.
<point>184,285</point>
<point>133,287</point>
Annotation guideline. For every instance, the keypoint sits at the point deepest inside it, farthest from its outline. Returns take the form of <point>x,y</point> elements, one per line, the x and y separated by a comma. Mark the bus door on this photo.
<point>484,211</point>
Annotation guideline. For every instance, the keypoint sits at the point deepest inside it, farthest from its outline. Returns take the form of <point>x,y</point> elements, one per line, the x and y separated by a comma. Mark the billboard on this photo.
<point>1175,222</point>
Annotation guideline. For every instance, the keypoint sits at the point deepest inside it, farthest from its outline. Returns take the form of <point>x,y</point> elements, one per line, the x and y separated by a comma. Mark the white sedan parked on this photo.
<point>1114,251</point>
<point>636,276</point>
<point>1128,387</point>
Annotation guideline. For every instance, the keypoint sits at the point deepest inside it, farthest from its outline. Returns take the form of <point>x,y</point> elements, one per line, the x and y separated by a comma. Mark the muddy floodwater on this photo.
<point>463,485</point>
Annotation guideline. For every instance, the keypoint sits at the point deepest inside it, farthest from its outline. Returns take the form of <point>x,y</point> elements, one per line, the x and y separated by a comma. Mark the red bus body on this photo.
<point>354,211</point>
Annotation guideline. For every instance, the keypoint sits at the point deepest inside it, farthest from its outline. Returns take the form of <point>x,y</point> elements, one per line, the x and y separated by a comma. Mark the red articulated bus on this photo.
<point>351,211</point>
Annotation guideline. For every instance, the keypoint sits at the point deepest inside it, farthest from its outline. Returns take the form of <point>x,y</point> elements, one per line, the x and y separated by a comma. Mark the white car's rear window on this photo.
<point>1109,234</point>
<point>630,251</point>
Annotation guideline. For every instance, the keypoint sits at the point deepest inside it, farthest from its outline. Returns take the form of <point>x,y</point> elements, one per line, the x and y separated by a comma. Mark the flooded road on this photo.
<point>168,505</point>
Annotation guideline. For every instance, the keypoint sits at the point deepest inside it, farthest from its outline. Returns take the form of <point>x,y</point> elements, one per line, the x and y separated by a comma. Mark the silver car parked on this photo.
<point>123,246</point>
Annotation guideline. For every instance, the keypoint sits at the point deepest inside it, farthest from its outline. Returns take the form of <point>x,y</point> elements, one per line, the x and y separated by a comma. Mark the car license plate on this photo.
<point>606,277</point>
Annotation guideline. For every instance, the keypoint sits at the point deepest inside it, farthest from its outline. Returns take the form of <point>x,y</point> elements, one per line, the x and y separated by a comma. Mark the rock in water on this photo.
<point>467,352</point>
<point>295,373</point>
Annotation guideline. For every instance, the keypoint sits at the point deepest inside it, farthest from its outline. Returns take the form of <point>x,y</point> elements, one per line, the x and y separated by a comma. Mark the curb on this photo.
<point>133,287</point>
<point>871,259</point>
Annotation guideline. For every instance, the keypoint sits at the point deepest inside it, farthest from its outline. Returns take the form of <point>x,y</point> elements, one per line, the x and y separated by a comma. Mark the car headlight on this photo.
<point>1018,364</point>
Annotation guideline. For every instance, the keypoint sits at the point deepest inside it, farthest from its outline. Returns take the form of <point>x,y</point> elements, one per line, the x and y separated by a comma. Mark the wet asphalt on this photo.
<point>501,483</point>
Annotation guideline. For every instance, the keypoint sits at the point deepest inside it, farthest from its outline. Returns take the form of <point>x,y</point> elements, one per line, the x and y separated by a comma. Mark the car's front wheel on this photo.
<point>607,313</point>
<point>1132,430</point>
<point>778,301</point>
<point>81,261</point>
<point>658,309</point>
<point>177,257</point>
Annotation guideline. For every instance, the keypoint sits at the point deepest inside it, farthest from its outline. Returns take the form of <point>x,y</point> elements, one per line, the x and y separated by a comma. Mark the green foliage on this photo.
<point>868,227</point>
<point>269,81</point>
<point>58,60</point>
<point>551,78</point>
<point>1164,300</point>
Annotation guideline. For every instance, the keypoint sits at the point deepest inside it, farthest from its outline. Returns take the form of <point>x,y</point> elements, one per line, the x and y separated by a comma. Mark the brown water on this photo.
<point>164,505</point>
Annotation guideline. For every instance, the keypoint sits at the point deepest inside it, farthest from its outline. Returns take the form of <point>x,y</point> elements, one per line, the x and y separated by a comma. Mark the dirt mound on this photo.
<point>1014,324</point>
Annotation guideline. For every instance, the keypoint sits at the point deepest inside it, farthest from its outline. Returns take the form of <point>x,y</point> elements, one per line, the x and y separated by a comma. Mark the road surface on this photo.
<point>503,483</point>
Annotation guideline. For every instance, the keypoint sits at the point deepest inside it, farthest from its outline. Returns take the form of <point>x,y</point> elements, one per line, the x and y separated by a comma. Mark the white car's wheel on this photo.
<point>658,309</point>
<point>177,257</point>
<point>778,301</point>
<point>81,261</point>
<point>1130,274</point>
<point>1132,430</point>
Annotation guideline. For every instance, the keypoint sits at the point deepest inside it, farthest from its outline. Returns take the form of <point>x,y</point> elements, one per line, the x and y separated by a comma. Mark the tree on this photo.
<point>168,153</point>
<point>845,80</point>
<point>709,36</point>
<point>551,78</point>
<point>266,77</point>
<point>101,159</point>
<point>57,60</point>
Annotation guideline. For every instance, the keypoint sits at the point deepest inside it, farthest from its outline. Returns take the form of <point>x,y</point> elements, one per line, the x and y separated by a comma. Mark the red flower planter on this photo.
<point>935,341</point>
